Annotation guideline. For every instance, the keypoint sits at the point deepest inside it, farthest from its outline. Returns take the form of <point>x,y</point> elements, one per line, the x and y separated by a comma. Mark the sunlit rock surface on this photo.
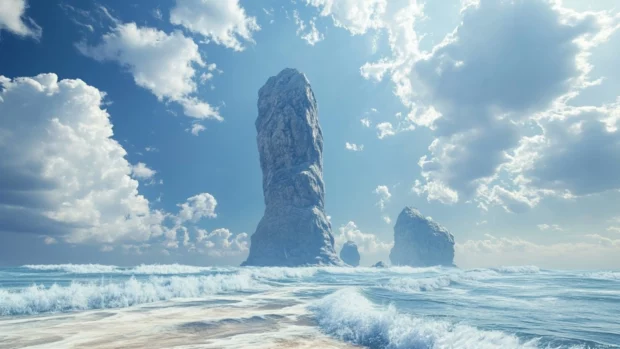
<point>349,254</point>
<point>294,229</point>
<point>420,242</point>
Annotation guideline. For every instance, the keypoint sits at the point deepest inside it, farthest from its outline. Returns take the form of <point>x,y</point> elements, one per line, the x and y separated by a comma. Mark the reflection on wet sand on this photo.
<point>267,320</point>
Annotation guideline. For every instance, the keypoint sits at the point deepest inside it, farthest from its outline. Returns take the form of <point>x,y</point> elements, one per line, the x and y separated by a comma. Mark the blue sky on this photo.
<point>497,119</point>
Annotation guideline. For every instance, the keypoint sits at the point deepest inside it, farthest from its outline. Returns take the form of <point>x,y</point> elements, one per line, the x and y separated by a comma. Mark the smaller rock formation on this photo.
<point>349,254</point>
<point>379,264</point>
<point>420,242</point>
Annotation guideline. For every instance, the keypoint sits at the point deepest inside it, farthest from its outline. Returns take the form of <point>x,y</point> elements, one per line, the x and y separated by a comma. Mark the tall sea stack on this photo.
<point>294,230</point>
<point>421,242</point>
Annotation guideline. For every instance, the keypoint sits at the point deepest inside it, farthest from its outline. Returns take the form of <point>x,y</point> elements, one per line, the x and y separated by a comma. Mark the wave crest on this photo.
<point>97,295</point>
<point>349,316</point>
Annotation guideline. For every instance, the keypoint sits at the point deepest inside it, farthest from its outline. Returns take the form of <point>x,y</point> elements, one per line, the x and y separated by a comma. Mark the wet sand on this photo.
<point>266,320</point>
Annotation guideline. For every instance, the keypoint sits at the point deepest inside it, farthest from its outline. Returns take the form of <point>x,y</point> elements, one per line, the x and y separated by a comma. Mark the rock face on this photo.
<point>379,264</point>
<point>420,242</point>
<point>349,254</point>
<point>294,230</point>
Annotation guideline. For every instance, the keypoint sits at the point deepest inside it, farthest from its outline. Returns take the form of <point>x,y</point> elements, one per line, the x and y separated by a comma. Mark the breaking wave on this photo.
<point>349,316</point>
<point>604,275</point>
<point>522,269</point>
<point>97,295</point>
<point>143,269</point>
<point>74,268</point>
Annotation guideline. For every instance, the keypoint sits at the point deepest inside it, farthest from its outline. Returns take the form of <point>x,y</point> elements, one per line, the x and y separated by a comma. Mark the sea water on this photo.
<point>178,306</point>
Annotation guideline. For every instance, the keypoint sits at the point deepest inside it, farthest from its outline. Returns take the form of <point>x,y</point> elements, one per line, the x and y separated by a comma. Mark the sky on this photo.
<point>127,127</point>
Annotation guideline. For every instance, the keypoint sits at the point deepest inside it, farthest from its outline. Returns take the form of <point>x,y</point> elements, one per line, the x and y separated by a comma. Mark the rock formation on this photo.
<point>420,242</point>
<point>349,254</point>
<point>379,264</point>
<point>294,230</point>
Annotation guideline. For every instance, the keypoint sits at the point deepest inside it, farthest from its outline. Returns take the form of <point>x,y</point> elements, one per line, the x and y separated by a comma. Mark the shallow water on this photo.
<point>176,306</point>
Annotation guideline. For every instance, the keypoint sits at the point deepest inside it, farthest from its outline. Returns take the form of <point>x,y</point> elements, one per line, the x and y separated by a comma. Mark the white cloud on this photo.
<point>357,16</point>
<point>221,242</point>
<point>48,240</point>
<point>549,227</point>
<point>162,63</point>
<point>353,146</point>
<point>197,207</point>
<point>223,21</point>
<point>63,173</point>
<point>366,122</point>
<point>384,195</point>
<point>480,122</point>
<point>387,219</point>
<point>366,242</point>
<point>385,129</point>
<point>592,252</point>
<point>12,18</point>
<point>435,191</point>
<point>196,129</point>
<point>312,36</point>
<point>141,171</point>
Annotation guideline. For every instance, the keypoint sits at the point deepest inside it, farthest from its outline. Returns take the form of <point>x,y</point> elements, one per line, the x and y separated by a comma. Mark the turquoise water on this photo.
<point>398,307</point>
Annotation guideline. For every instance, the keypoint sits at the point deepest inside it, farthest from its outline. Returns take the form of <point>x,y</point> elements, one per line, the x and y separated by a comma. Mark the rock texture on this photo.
<point>379,264</point>
<point>420,242</point>
<point>294,230</point>
<point>349,254</point>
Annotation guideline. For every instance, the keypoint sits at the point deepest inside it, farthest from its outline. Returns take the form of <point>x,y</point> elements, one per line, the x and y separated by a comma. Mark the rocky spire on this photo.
<point>294,229</point>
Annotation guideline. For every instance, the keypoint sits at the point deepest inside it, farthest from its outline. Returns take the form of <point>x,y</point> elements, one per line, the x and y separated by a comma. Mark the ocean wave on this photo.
<point>412,285</point>
<point>142,269</point>
<point>97,295</point>
<point>604,275</point>
<point>73,268</point>
<point>521,269</point>
<point>349,316</point>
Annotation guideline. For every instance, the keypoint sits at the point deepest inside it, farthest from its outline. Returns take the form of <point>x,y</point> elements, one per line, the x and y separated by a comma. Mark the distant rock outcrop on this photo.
<point>420,242</point>
<point>379,264</point>
<point>349,254</point>
<point>294,230</point>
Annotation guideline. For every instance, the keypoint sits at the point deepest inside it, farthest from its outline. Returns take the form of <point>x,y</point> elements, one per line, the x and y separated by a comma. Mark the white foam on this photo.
<point>166,269</point>
<point>94,295</point>
<point>520,269</point>
<point>74,268</point>
<point>349,316</point>
<point>412,285</point>
<point>604,275</point>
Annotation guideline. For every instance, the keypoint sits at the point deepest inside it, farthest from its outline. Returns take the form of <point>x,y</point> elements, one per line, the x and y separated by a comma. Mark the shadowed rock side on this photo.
<point>349,254</point>
<point>294,229</point>
<point>420,242</point>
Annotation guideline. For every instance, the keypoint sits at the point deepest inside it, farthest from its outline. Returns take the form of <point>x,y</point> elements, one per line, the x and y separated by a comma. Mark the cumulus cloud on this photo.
<point>481,89</point>
<point>62,172</point>
<point>383,192</point>
<point>196,129</point>
<point>357,16</point>
<point>312,35</point>
<point>353,146</point>
<point>141,171</point>
<point>366,242</point>
<point>221,242</point>
<point>387,219</point>
<point>197,207</point>
<point>223,21</point>
<point>63,176</point>
<point>13,19</point>
<point>366,122</point>
<point>591,251</point>
<point>160,62</point>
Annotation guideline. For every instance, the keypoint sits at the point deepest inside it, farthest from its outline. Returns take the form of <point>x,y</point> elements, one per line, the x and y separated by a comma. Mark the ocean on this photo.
<point>178,306</point>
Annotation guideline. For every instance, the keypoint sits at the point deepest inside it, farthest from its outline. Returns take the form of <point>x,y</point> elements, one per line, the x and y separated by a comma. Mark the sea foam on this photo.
<point>349,316</point>
<point>97,295</point>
